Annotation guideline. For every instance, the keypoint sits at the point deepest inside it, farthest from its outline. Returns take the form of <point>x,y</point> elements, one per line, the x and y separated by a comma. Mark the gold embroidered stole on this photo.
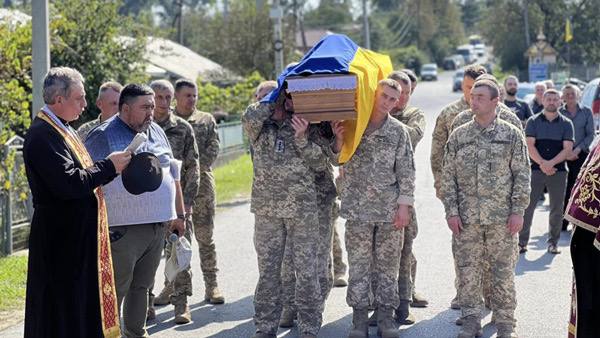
<point>106,282</point>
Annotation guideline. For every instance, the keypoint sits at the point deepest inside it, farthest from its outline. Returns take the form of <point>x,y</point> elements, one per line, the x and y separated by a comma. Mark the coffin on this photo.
<point>324,97</point>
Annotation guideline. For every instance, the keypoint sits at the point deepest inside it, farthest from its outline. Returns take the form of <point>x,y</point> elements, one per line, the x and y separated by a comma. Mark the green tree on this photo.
<point>15,98</point>
<point>508,36</point>
<point>241,42</point>
<point>93,38</point>
<point>231,99</point>
<point>416,22</point>
<point>471,14</point>
<point>330,14</point>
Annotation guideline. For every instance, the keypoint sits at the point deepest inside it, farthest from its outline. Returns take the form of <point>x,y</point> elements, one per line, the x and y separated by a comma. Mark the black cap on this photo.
<point>143,174</point>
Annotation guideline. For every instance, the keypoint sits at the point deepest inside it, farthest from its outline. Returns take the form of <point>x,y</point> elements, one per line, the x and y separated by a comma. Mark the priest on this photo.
<point>70,284</point>
<point>583,211</point>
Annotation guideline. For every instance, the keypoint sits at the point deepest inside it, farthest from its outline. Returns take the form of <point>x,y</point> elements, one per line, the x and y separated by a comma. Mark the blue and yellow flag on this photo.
<point>338,54</point>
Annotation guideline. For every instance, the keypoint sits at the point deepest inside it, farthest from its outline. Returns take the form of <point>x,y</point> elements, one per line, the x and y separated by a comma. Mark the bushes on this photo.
<point>407,57</point>
<point>232,99</point>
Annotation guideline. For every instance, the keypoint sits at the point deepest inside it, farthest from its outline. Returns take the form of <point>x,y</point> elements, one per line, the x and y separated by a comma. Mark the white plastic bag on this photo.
<point>181,256</point>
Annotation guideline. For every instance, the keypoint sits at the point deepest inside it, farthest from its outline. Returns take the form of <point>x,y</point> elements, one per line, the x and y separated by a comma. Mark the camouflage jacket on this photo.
<point>503,112</point>
<point>380,175</point>
<point>284,166</point>
<point>85,128</point>
<point>414,121</point>
<point>207,137</point>
<point>183,144</point>
<point>322,135</point>
<point>441,132</point>
<point>486,175</point>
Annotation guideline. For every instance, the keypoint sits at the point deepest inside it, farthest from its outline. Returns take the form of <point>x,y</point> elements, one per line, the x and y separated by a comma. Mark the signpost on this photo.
<point>538,72</point>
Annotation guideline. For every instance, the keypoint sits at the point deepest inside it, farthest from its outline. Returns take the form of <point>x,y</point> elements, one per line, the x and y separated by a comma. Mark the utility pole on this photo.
<point>277,14</point>
<point>40,49</point>
<point>225,9</point>
<point>526,22</point>
<point>180,22</point>
<point>367,34</point>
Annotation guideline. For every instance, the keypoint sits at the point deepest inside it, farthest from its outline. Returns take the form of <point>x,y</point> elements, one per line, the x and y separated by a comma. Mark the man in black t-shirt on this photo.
<point>549,142</point>
<point>519,107</point>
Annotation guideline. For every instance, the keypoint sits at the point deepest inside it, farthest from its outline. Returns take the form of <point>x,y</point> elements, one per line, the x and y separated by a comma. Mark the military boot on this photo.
<point>213,295</point>
<point>386,326</point>
<point>287,317</point>
<point>506,330</point>
<point>308,335</point>
<point>164,297</point>
<point>360,327</point>
<point>418,300</point>
<point>182,314</point>
<point>373,318</point>
<point>471,327</point>
<point>340,281</point>
<point>259,334</point>
<point>455,304</point>
<point>403,315</point>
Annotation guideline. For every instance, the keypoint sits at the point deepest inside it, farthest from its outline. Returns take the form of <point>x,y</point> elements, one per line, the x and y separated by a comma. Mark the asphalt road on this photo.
<point>542,280</point>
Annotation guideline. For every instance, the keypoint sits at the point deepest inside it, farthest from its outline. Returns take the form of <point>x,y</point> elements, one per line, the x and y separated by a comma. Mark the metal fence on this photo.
<point>15,212</point>
<point>233,144</point>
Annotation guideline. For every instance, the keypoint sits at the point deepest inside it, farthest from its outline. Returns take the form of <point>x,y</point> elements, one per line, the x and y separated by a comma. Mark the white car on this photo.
<point>480,49</point>
<point>429,72</point>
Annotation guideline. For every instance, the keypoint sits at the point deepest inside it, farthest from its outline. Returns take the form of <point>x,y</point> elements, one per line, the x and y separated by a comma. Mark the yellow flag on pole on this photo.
<point>568,31</point>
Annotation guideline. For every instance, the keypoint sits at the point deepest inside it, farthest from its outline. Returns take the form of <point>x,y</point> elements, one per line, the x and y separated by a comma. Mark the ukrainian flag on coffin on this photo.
<point>337,54</point>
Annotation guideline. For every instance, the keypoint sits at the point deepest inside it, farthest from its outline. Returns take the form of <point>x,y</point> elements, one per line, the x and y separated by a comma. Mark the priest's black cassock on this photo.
<point>62,279</point>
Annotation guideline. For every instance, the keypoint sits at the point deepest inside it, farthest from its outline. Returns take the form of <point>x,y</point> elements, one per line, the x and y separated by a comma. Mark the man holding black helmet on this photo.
<point>136,231</point>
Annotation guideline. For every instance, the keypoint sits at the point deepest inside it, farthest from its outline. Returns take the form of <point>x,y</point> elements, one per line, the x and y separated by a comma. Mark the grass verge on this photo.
<point>234,180</point>
<point>13,277</point>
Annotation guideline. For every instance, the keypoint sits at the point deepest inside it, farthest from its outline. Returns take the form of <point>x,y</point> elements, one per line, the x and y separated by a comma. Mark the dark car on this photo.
<point>457,80</point>
<point>453,62</point>
<point>590,97</point>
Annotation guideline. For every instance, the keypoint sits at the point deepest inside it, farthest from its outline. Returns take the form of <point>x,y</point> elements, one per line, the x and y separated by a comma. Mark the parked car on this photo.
<point>591,96</point>
<point>480,49</point>
<point>429,72</point>
<point>467,52</point>
<point>457,80</point>
<point>572,80</point>
<point>453,62</point>
<point>525,88</point>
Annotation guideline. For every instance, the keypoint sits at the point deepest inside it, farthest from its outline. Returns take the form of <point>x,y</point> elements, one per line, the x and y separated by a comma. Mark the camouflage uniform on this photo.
<point>376,180</point>
<point>485,180</point>
<point>339,267</point>
<point>503,112</point>
<point>284,201</point>
<point>441,132</point>
<point>506,114</point>
<point>203,212</point>
<point>85,128</point>
<point>414,120</point>
<point>183,143</point>
<point>326,195</point>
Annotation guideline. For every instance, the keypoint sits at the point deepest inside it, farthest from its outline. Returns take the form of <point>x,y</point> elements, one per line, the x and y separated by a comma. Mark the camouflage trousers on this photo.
<point>339,267</point>
<point>270,237</point>
<point>373,254</point>
<point>203,220</point>
<point>407,272</point>
<point>324,260</point>
<point>486,277</point>
<point>476,245</point>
